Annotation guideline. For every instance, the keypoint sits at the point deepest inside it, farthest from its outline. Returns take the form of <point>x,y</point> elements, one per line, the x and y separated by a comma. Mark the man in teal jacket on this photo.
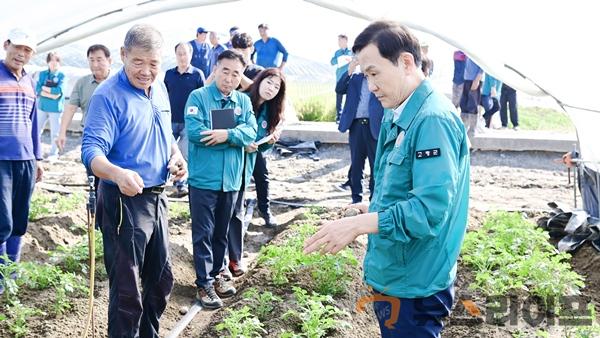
<point>216,159</point>
<point>418,214</point>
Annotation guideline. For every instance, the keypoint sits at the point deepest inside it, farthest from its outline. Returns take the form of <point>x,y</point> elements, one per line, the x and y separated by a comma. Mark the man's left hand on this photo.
<point>214,136</point>
<point>177,167</point>
<point>39,173</point>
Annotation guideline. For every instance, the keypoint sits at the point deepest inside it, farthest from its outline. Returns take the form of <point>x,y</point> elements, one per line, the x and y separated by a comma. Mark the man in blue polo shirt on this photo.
<point>19,142</point>
<point>180,82</point>
<point>267,49</point>
<point>417,217</point>
<point>128,143</point>
<point>201,51</point>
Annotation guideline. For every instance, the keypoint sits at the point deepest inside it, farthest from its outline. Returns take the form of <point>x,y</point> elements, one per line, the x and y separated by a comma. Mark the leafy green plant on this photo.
<point>315,109</point>
<point>330,273</point>
<point>43,205</point>
<point>75,258</point>
<point>39,206</point>
<point>262,303</point>
<point>70,202</point>
<point>241,323</point>
<point>316,313</point>
<point>18,317</point>
<point>179,210</point>
<point>509,254</point>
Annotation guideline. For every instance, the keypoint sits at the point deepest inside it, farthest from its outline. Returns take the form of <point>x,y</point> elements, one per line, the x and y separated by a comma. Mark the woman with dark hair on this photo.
<point>267,94</point>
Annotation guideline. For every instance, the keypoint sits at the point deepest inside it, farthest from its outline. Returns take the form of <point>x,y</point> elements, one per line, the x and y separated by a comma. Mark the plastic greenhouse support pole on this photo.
<point>91,220</point>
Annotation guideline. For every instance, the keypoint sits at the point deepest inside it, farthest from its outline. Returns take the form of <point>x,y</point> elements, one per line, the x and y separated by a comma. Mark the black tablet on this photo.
<point>222,118</point>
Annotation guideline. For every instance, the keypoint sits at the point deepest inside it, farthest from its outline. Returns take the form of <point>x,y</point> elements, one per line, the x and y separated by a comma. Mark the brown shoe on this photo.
<point>237,268</point>
<point>209,298</point>
<point>224,288</point>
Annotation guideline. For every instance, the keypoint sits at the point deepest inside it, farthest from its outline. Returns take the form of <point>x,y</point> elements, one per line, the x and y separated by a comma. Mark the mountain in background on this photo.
<point>74,65</point>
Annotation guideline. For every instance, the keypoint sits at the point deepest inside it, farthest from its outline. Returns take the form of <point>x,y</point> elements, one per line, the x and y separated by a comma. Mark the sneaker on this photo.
<point>52,158</point>
<point>343,187</point>
<point>516,128</point>
<point>237,269</point>
<point>270,221</point>
<point>209,298</point>
<point>224,287</point>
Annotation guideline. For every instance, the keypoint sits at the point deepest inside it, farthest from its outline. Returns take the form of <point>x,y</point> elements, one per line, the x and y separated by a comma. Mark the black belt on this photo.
<point>157,189</point>
<point>363,120</point>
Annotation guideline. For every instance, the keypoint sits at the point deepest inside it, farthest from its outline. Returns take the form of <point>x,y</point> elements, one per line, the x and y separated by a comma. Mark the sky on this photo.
<point>310,32</point>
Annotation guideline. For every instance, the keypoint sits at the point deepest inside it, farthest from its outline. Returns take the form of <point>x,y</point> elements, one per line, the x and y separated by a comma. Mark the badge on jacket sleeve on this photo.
<point>427,153</point>
<point>264,124</point>
<point>237,111</point>
<point>192,110</point>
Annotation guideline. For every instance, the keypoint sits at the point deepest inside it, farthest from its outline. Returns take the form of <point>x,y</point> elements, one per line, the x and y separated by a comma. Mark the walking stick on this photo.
<point>91,221</point>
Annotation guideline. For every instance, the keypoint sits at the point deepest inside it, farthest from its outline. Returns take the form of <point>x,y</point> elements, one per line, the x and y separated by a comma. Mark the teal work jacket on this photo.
<point>218,167</point>
<point>421,196</point>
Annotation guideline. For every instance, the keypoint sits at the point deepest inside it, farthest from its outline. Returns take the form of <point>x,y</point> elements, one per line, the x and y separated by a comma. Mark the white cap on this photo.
<point>21,37</point>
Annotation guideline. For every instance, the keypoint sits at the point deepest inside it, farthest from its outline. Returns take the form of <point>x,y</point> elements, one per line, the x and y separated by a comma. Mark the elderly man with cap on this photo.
<point>129,144</point>
<point>267,49</point>
<point>201,51</point>
<point>19,142</point>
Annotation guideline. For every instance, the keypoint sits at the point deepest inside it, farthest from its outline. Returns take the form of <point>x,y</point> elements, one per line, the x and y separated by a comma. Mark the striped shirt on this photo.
<point>19,138</point>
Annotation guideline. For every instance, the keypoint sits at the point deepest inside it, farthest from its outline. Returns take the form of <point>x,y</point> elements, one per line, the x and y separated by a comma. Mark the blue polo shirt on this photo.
<point>131,129</point>
<point>267,52</point>
<point>19,137</point>
<point>179,87</point>
<point>471,70</point>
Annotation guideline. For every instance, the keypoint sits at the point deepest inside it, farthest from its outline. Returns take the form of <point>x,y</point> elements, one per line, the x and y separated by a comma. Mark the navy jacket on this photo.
<point>351,85</point>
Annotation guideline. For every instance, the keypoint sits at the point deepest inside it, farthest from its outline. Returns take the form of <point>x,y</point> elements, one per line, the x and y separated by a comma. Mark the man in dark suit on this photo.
<point>362,116</point>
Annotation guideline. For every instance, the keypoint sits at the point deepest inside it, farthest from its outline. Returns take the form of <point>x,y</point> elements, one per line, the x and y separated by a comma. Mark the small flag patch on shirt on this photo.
<point>192,110</point>
<point>427,153</point>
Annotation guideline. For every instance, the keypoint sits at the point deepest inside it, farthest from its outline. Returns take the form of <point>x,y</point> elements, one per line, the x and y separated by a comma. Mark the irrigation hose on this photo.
<point>91,220</point>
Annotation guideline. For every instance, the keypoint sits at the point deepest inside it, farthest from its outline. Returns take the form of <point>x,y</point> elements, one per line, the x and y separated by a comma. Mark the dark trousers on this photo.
<point>237,230</point>
<point>17,180</point>
<point>178,129</point>
<point>211,212</point>
<point>491,106</point>
<point>338,105</point>
<point>589,184</point>
<point>261,180</point>
<point>469,100</point>
<point>508,99</point>
<point>417,318</point>
<point>136,249</point>
<point>362,146</point>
